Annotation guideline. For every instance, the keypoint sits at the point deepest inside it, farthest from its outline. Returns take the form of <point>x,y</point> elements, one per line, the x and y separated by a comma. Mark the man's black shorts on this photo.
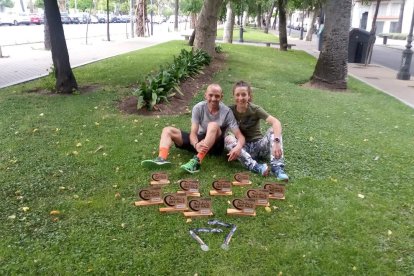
<point>217,148</point>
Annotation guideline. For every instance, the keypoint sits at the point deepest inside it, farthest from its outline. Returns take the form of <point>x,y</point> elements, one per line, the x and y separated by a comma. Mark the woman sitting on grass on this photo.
<point>257,146</point>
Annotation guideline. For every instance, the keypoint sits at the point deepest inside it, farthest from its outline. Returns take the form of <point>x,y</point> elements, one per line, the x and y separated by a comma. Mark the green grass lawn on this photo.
<point>348,207</point>
<point>251,35</point>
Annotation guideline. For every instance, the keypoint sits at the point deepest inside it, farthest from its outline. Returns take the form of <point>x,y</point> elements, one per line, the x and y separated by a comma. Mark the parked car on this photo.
<point>101,17</point>
<point>93,19</point>
<point>65,18</point>
<point>22,18</point>
<point>36,18</point>
<point>6,19</point>
<point>74,19</point>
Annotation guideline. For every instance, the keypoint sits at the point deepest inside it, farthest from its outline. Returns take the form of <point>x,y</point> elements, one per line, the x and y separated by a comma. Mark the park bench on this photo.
<point>186,36</point>
<point>268,44</point>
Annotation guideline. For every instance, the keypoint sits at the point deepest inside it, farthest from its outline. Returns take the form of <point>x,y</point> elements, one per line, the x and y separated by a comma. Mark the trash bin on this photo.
<point>358,45</point>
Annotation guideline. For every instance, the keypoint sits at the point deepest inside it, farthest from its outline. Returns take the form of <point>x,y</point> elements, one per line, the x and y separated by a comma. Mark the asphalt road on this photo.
<point>10,35</point>
<point>389,57</point>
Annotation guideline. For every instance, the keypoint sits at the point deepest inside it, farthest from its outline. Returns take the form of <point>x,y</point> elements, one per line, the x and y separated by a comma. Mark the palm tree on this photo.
<point>332,66</point>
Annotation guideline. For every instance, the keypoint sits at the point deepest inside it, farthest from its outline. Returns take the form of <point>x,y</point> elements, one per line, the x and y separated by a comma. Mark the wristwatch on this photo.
<point>277,140</point>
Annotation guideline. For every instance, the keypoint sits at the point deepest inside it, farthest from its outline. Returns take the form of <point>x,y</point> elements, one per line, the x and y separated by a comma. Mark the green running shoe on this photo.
<point>192,166</point>
<point>159,161</point>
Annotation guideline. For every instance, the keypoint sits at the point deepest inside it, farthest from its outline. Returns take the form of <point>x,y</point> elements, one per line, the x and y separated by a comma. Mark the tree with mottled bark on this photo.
<point>206,29</point>
<point>141,15</point>
<point>65,80</point>
<point>311,28</point>
<point>229,24</point>
<point>269,16</point>
<point>193,7</point>
<point>281,6</point>
<point>46,35</point>
<point>332,66</point>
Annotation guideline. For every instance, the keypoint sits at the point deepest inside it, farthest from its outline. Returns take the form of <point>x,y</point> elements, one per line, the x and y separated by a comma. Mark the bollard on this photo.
<point>384,39</point>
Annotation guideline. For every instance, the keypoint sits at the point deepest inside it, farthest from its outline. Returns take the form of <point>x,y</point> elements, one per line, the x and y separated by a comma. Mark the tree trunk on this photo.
<point>22,6</point>
<point>311,28</point>
<point>192,37</point>
<point>65,80</point>
<point>47,35</point>
<point>269,17</point>
<point>372,34</point>
<point>282,24</point>
<point>332,66</point>
<point>259,15</point>
<point>107,21</point>
<point>193,20</point>
<point>140,15</point>
<point>176,15</point>
<point>400,18</point>
<point>228,25</point>
<point>275,21</point>
<point>206,28</point>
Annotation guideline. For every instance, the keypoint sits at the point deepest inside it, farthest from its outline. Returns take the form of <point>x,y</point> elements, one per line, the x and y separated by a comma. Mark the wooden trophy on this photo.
<point>221,187</point>
<point>189,187</point>
<point>159,178</point>
<point>200,207</point>
<point>276,190</point>
<point>175,203</point>
<point>150,196</point>
<point>242,179</point>
<point>243,207</point>
<point>260,195</point>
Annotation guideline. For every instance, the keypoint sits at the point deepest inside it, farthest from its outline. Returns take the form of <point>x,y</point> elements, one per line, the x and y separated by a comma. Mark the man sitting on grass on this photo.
<point>210,120</point>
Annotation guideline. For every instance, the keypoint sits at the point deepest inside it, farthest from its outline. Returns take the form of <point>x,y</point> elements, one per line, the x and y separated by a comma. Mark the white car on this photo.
<point>6,19</point>
<point>22,18</point>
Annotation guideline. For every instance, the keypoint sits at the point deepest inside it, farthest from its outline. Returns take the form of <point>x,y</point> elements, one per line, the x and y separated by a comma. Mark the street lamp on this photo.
<point>404,72</point>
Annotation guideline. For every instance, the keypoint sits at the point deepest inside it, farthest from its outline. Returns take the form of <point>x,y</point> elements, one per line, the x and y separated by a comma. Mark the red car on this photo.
<point>36,19</point>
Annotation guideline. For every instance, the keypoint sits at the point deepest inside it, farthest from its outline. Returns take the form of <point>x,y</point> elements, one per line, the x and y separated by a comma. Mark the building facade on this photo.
<point>394,16</point>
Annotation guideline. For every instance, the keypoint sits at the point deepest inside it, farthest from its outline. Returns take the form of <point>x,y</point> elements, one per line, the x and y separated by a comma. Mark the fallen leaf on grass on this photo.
<point>54,212</point>
<point>99,148</point>
<point>188,220</point>
<point>11,217</point>
<point>389,232</point>
<point>117,195</point>
<point>25,209</point>
<point>311,139</point>
<point>78,145</point>
<point>267,208</point>
<point>97,124</point>
<point>361,196</point>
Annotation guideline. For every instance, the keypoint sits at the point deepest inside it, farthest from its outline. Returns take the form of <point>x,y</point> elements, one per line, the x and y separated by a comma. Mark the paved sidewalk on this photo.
<point>29,62</point>
<point>377,76</point>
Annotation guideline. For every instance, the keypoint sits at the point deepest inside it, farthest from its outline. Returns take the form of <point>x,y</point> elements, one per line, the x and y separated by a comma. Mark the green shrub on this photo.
<point>161,86</point>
